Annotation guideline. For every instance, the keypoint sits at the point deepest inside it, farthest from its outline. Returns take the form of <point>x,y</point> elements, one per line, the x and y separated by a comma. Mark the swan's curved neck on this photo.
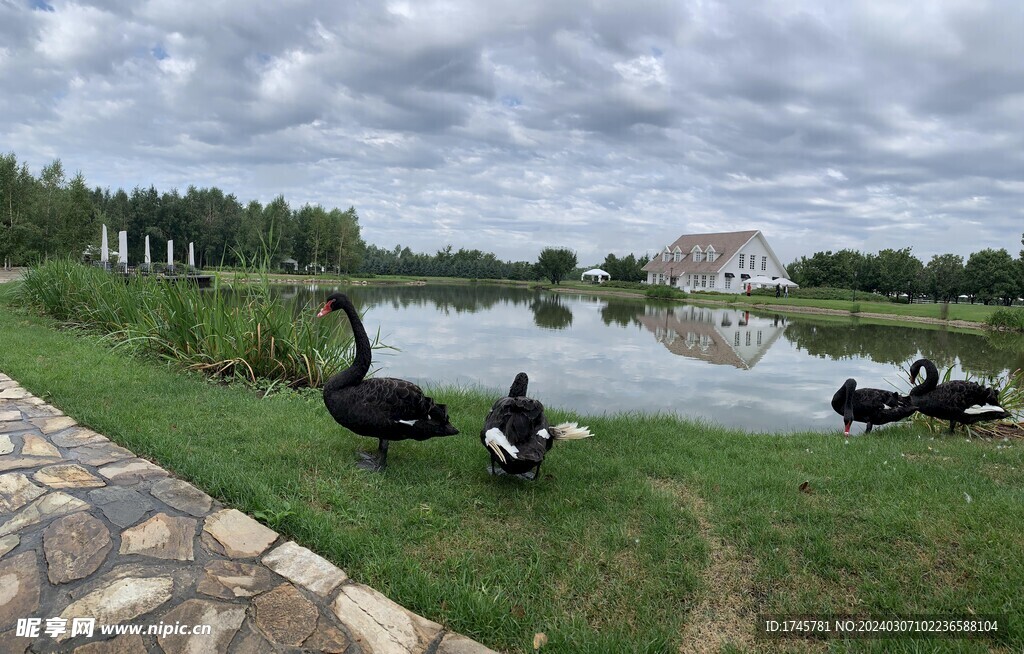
<point>361,363</point>
<point>931,379</point>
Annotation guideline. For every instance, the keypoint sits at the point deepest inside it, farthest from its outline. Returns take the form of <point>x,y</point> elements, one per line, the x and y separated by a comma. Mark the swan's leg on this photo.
<point>952,425</point>
<point>374,462</point>
<point>868,430</point>
<point>536,472</point>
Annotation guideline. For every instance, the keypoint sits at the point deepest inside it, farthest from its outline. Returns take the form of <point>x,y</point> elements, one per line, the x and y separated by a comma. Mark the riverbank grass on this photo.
<point>655,535</point>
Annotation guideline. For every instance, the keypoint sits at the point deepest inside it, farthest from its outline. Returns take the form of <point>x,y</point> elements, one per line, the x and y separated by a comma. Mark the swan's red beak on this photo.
<point>326,310</point>
<point>847,428</point>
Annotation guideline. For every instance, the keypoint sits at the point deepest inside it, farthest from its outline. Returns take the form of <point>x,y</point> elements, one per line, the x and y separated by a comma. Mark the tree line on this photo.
<point>53,216</point>
<point>987,276</point>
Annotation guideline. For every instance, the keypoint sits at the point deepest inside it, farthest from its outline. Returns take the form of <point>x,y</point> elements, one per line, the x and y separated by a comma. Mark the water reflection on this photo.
<point>595,354</point>
<point>550,313</point>
<point>720,336</point>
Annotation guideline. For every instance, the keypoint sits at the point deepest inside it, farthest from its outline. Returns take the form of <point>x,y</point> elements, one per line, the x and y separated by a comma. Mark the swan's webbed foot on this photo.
<point>374,462</point>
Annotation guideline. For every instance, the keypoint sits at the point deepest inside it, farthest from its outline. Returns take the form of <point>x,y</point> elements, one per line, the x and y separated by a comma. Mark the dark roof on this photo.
<point>726,245</point>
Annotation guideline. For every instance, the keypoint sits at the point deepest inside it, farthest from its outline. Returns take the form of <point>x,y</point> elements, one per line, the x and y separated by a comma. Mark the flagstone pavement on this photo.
<point>92,535</point>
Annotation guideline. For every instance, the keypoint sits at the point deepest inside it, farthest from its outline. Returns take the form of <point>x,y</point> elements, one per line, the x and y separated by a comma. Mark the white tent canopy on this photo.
<point>760,280</point>
<point>596,274</point>
<point>782,281</point>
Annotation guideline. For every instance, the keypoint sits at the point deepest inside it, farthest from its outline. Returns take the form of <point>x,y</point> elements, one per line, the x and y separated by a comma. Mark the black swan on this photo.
<point>960,401</point>
<point>383,408</point>
<point>871,405</point>
<point>517,433</point>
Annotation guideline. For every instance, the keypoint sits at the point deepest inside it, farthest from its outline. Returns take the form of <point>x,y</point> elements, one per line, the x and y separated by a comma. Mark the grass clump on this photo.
<point>227,333</point>
<point>1008,319</point>
<point>663,292</point>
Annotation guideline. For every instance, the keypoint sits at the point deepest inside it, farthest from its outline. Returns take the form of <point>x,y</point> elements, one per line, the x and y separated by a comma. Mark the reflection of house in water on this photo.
<point>720,336</point>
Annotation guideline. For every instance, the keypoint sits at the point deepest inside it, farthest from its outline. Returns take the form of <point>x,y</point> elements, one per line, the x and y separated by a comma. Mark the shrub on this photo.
<point>663,292</point>
<point>1006,318</point>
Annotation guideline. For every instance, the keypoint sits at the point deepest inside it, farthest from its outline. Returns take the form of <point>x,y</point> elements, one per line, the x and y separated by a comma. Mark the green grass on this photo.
<point>631,537</point>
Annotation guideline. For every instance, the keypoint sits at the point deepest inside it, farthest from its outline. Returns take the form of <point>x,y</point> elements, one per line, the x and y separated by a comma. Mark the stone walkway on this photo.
<point>89,530</point>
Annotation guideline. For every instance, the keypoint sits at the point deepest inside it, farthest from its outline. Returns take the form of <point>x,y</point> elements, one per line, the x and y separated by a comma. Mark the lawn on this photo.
<point>655,535</point>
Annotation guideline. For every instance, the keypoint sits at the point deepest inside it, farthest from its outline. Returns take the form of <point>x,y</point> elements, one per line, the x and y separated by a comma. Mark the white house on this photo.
<point>714,262</point>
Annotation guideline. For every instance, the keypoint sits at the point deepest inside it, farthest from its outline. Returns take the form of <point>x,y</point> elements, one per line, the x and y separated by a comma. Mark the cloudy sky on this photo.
<point>603,125</point>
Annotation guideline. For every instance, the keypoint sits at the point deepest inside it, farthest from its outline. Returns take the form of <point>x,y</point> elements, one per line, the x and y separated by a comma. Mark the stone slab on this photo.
<point>380,625</point>
<point>48,506</point>
<point>182,496</point>
<point>8,543</point>
<point>233,579</point>
<point>16,490</point>
<point>305,568</point>
<point>162,537</point>
<point>122,506</point>
<point>6,444</point>
<point>54,424</point>
<point>10,415</point>
<point>285,615</point>
<point>38,446</point>
<point>78,437</point>
<point>19,589</point>
<point>224,619</point>
<point>239,535</point>
<point>120,601</point>
<point>131,471</point>
<point>98,454</point>
<point>23,462</point>
<point>75,546</point>
<point>67,475</point>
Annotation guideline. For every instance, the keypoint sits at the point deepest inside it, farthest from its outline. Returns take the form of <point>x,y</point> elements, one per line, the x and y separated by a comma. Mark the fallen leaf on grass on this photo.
<point>806,487</point>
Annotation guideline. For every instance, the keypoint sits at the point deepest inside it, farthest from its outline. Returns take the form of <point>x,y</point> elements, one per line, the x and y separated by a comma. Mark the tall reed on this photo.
<point>241,332</point>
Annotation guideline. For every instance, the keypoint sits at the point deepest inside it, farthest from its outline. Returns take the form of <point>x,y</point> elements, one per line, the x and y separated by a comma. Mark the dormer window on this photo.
<point>666,255</point>
<point>677,255</point>
<point>711,254</point>
<point>698,256</point>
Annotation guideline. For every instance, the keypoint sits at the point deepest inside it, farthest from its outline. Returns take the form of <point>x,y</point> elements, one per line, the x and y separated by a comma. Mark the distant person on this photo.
<point>778,290</point>
<point>786,291</point>
<point>748,290</point>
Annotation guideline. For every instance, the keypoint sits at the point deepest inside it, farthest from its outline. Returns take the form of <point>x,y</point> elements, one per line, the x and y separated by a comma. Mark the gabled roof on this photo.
<point>726,245</point>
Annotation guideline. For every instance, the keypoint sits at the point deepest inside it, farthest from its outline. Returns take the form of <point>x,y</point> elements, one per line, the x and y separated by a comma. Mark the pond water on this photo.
<point>753,370</point>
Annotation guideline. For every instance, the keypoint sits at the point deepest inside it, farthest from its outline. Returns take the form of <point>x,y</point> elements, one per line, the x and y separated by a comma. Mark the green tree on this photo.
<point>944,277</point>
<point>556,263</point>
<point>899,272</point>
<point>990,275</point>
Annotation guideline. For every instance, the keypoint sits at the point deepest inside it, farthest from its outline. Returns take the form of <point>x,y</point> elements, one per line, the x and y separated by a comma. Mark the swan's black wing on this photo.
<point>393,409</point>
<point>880,407</point>
<point>972,401</point>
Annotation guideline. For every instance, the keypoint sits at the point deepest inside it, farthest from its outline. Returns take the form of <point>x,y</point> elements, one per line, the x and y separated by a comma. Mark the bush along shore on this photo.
<point>658,534</point>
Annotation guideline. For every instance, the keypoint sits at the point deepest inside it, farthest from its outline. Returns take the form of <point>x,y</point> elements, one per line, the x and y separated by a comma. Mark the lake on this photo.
<point>752,370</point>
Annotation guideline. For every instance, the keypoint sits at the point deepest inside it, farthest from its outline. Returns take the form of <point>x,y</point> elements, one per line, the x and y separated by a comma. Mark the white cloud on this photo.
<point>610,126</point>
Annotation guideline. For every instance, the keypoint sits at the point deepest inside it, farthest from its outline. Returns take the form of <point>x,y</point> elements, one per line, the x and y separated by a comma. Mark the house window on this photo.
<point>711,253</point>
<point>752,258</point>
<point>703,281</point>
<point>742,260</point>
<point>664,257</point>
<point>764,263</point>
<point>748,337</point>
<point>678,256</point>
<point>728,282</point>
<point>697,257</point>
<point>759,337</point>
<point>736,338</point>
<point>711,281</point>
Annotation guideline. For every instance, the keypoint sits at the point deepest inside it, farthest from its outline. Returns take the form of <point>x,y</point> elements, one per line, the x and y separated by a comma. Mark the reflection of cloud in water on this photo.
<point>608,360</point>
